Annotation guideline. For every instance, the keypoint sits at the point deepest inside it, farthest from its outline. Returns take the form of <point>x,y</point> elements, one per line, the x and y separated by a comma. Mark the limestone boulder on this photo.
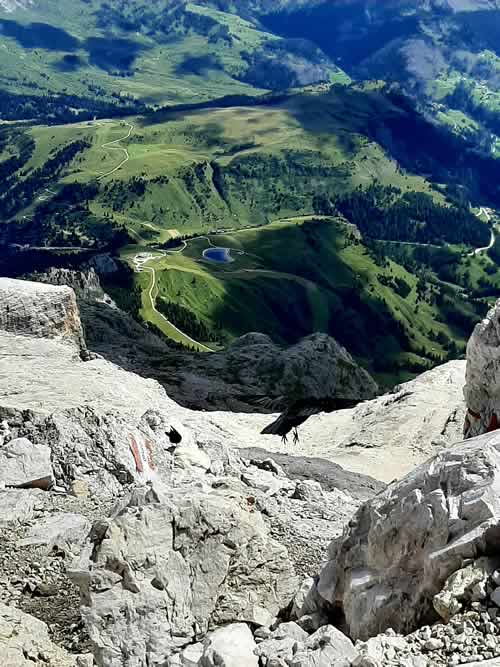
<point>174,563</point>
<point>62,531</point>
<point>39,310</point>
<point>25,641</point>
<point>464,586</point>
<point>232,646</point>
<point>327,647</point>
<point>24,464</point>
<point>399,549</point>
<point>17,506</point>
<point>482,388</point>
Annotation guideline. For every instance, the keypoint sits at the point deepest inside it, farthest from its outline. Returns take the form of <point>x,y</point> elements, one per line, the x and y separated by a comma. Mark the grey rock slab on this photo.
<point>303,598</point>
<point>231,646</point>
<point>380,574</point>
<point>24,464</point>
<point>460,586</point>
<point>17,506</point>
<point>191,655</point>
<point>291,630</point>
<point>181,560</point>
<point>329,474</point>
<point>63,531</point>
<point>25,641</point>
<point>327,647</point>
<point>495,597</point>
<point>482,386</point>
<point>274,650</point>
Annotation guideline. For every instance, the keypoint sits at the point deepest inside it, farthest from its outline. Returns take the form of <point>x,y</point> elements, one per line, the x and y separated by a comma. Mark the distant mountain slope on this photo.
<point>446,52</point>
<point>156,52</point>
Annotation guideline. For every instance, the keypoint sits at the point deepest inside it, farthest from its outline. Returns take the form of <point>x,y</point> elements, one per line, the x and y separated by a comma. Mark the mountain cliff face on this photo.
<point>410,42</point>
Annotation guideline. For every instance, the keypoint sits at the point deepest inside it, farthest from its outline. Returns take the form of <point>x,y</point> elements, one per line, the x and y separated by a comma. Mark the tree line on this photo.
<point>382,212</point>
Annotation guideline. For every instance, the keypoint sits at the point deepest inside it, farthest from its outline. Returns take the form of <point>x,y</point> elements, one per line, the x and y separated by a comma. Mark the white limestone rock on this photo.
<point>291,630</point>
<point>17,506</point>
<point>24,464</point>
<point>191,655</point>
<point>400,548</point>
<point>231,646</point>
<point>277,652</point>
<point>482,388</point>
<point>43,311</point>
<point>63,531</point>
<point>327,647</point>
<point>181,561</point>
<point>386,649</point>
<point>25,642</point>
<point>305,599</point>
<point>460,587</point>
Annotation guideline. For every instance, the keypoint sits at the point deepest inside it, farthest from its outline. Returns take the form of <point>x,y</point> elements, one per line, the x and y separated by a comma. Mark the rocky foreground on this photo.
<point>134,533</point>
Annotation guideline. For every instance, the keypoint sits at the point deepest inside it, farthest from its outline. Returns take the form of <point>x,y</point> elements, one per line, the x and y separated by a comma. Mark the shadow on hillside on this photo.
<point>199,65</point>
<point>344,33</point>
<point>111,54</point>
<point>108,53</point>
<point>311,252</point>
<point>39,36</point>
<point>69,63</point>
<point>482,28</point>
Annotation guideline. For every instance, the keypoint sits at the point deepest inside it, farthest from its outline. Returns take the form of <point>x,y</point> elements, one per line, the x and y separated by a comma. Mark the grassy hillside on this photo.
<point>263,176</point>
<point>165,51</point>
<point>297,276</point>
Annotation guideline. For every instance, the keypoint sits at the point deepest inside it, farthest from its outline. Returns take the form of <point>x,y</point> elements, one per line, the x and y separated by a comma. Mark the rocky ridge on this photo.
<point>388,436</point>
<point>252,367</point>
<point>183,550</point>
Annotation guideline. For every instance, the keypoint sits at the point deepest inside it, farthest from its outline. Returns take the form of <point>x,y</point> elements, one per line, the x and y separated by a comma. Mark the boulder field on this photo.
<point>139,533</point>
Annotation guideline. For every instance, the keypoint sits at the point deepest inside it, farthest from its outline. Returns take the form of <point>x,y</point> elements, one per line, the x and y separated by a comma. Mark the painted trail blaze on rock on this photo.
<point>142,452</point>
<point>493,425</point>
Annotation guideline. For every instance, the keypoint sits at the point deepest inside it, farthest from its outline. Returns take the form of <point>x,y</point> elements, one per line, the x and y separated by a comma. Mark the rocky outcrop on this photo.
<point>35,309</point>
<point>185,552</point>
<point>86,284</point>
<point>331,476</point>
<point>232,530</point>
<point>253,366</point>
<point>181,561</point>
<point>23,464</point>
<point>482,388</point>
<point>400,548</point>
<point>25,641</point>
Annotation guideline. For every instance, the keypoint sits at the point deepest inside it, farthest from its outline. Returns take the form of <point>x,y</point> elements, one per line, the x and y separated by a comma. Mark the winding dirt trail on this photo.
<point>151,270</point>
<point>113,146</point>
<point>140,265</point>
<point>479,251</point>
